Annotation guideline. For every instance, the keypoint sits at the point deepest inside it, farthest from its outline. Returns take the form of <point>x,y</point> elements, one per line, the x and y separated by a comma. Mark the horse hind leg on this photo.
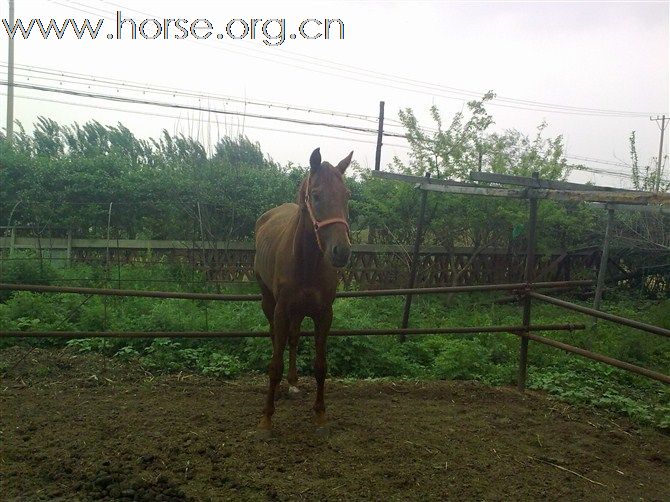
<point>280,332</point>
<point>268,303</point>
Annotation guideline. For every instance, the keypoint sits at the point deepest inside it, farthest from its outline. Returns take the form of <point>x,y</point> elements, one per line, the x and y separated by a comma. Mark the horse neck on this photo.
<point>306,249</point>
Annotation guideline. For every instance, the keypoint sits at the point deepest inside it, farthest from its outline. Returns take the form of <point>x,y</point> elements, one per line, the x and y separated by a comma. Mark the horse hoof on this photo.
<point>322,431</point>
<point>264,434</point>
<point>293,392</point>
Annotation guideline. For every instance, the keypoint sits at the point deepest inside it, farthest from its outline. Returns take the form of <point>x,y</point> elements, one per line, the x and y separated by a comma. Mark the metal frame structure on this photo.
<point>533,190</point>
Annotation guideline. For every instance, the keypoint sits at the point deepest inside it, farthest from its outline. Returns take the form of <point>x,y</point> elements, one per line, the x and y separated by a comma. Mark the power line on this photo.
<point>296,121</point>
<point>264,117</point>
<point>606,172</point>
<point>598,161</point>
<point>210,121</point>
<point>177,106</point>
<point>409,84</point>
<point>154,114</point>
<point>366,71</point>
<point>62,76</point>
<point>144,87</point>
<point>125,86</point>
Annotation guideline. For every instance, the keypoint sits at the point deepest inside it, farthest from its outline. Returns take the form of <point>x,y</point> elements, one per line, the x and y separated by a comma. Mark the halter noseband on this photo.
<point>324,223</point>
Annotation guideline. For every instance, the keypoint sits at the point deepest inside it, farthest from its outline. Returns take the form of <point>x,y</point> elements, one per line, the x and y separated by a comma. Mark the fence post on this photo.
<point>68,252</point>
<point>528,278</point>
<point>39,249</point>
<point>415,258</point>
<point>109,222</point>
<point>202,243</point>
<point>118,259</point>
<point>204,264</point>
<point>12,241</point>
<point>604,257</point>
<point>380,136</point>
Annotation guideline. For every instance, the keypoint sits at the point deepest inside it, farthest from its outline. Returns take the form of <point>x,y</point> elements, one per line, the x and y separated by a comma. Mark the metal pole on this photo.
<point>10,78</point>
<point>415,259</point>
<point>109,222</point>
<point>104,300</point>
<point>204,264</point>
<point>528,277</point>
<point>69,247</point>
<point>38,288</point>
<point>264,334</point>
<point>12,241</point>
<point>603,315</point>
<point>118,259</point>
<point>602,270</point>
<point>601,358</point>
<point>380,136</point>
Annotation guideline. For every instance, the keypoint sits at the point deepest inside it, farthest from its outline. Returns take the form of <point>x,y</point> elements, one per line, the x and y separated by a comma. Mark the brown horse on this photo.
<point>298,248</point>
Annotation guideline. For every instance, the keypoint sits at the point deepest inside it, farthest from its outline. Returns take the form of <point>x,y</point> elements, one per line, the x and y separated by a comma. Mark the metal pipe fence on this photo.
<point>265,334</point>
<point>526,290</point>
<point>657,330</point>
<point>520,286</point>
<point>525,330</point>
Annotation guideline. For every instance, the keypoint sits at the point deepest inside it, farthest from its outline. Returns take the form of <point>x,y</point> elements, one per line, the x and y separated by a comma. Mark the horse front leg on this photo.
<point>294,336</point>
<point>280,332</point>
<point>321,329</point>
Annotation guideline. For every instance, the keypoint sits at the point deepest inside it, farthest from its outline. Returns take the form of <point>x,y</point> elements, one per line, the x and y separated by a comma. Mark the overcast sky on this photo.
<point>596,56</point>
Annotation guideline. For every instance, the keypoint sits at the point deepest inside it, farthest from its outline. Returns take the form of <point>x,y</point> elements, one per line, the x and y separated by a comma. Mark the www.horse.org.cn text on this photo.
<point>271,32</point>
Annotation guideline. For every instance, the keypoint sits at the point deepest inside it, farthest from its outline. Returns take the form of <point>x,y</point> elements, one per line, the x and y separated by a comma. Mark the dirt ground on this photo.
<point>85,427</point>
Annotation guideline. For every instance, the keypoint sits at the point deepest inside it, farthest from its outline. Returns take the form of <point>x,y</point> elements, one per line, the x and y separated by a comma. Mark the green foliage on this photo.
<point>390,209</point>
<point>644,177</point>
<point>220,365</point>
<point>92,345</point>
<point>25,267</point>
<point>488,358</point>
<point>586,383</point>
<point>68,176</point>
<point>461,360</point>
<point>169,355</point>
<point>466,146</point>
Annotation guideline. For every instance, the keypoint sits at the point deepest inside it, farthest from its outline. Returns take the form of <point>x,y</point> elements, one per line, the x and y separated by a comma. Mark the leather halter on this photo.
<point>323,223</point>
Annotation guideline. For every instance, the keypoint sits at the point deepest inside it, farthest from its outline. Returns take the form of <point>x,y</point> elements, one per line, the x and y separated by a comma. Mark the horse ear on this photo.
<point>315,160</point>
<point>344,163</point>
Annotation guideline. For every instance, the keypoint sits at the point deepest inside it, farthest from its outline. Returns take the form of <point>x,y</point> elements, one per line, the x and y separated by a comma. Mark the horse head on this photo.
<point>325,198</point>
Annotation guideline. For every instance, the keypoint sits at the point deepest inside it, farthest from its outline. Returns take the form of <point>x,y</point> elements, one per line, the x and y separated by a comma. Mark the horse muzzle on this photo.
<point>339,255</point>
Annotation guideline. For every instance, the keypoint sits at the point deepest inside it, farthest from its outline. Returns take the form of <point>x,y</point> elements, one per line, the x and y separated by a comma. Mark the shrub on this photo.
<point>462,360</point>
<point>25,267</point>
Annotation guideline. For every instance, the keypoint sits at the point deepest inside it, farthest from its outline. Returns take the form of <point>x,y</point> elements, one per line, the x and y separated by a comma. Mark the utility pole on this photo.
<point>10,78</point>
<point>660,151</point>
<point>380,136</point>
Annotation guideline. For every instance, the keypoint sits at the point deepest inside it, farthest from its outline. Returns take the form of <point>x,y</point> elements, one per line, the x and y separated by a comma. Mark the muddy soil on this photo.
<point>85,427</point>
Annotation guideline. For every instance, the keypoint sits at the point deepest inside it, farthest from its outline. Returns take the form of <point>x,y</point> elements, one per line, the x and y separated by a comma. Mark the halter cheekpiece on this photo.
<point>324,223</point>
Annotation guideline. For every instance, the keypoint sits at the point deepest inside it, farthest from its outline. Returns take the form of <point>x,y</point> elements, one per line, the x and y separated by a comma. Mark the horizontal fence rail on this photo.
<point>521,286</point>
<point>603,315</point>
<point>526,331</point>
<point>601,358</point>
<point>265,334</point>
<point>63,244</point>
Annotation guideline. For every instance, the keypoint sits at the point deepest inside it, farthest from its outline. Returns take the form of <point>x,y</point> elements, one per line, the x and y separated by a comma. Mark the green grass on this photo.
<point>490,358</point>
